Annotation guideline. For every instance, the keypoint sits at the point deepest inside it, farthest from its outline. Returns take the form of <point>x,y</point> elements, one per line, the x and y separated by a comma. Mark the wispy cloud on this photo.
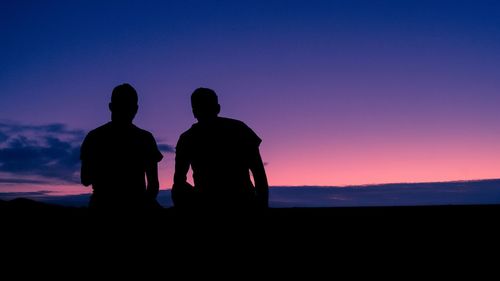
<point>166,148</point>
<point>9,129</point>
<point>46,151</point>
<point>31,194</point>
<point>3,137</point>
<point>21,181</point>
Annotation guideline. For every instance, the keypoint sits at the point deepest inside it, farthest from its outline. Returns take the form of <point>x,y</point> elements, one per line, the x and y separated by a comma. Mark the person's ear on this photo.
<point>136,108</point>
<point>110,105</point>
<point>218,109</point>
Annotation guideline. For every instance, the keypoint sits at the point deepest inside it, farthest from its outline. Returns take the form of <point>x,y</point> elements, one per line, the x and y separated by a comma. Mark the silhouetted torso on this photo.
<point>117,156</point>
<point>219,152</point>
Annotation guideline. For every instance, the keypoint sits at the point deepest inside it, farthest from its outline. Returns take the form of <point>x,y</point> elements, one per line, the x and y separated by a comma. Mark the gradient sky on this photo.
<point>341,92</point>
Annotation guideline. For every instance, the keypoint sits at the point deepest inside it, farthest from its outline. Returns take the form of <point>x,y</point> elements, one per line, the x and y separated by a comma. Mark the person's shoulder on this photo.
<point>189,132</point>
<point>241,129</point>
<point>141,132</point>
<point>231,122</point>
<point>235,125</point>
<point>99,130</point>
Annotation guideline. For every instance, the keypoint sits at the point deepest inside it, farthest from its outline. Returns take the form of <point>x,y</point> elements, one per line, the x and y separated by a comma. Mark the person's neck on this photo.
<point>206,120</point>
<point>120,123</point>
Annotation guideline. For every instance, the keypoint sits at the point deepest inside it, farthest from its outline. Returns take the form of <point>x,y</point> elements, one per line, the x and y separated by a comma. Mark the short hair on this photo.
<point>124,93</point>
<point>203,97</point>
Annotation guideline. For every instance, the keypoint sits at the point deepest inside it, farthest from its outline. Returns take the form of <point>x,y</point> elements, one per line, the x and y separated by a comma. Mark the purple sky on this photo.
<point>341,92</point>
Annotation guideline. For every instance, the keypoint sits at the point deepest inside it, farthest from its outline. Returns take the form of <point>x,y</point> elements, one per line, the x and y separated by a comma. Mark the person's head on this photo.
<point>205,104</point>
<point>123,104</point>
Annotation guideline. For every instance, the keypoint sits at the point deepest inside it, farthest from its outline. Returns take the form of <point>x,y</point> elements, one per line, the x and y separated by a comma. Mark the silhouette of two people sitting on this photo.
<point>118,157</point>
<point>221,153</point>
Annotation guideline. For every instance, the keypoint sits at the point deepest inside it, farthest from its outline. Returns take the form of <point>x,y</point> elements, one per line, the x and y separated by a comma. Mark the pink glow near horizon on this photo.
<point>421,157</point>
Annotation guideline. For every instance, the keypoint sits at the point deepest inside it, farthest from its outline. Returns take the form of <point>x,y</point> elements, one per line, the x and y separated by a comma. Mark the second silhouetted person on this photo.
<point>221,152</point>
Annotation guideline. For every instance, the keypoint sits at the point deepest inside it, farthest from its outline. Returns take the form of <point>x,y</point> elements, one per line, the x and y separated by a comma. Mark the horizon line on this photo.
<point>390,183</point>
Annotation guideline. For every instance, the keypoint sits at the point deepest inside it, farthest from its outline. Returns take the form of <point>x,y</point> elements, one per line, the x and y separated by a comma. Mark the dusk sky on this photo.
<point>341,92</point>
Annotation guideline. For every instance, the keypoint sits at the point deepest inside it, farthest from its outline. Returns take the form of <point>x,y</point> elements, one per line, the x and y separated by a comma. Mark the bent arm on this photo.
<point>153,183</point>
<point>181,170</point>
<point>260,178</point>
<point>182,163</point>
<point>86,176</point>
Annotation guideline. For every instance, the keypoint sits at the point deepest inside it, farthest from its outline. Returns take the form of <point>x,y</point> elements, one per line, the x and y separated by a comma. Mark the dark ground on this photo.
<point>29,213</point>
<point>317,242</point>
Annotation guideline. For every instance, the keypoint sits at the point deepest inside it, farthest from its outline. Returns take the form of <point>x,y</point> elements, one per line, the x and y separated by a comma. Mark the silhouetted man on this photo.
<point>221,153</point>
<point>117,157</point>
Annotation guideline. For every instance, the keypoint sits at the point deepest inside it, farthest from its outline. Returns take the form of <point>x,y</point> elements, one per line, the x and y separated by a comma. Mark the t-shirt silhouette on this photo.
<point>219,152</point>
<point>117,156</point>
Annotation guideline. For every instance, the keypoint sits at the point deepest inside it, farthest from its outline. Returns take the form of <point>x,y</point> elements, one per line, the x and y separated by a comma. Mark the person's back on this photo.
<point>221,153</point>
<point>117,156</point>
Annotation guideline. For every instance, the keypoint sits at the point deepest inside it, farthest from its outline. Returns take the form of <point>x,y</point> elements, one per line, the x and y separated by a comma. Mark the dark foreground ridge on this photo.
<point>27,210</point>
<point>276,232</point>
<point>24,205</point>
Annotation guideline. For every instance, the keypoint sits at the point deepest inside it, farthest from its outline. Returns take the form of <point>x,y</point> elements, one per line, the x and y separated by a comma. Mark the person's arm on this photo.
<point>153,183</point>
<point>86,171</point>
<point>181,170</point>
<point>181,187</point>
<point>182,164</point>
<point>260,178</point>
<point>86,176</point>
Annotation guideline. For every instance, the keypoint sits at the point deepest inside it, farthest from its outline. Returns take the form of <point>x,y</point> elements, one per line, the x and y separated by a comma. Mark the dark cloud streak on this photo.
<point>29,194</point>
<point>48,151</point>
<point>166,148</point>
<point>3,137</point>
<point>22,181</point>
